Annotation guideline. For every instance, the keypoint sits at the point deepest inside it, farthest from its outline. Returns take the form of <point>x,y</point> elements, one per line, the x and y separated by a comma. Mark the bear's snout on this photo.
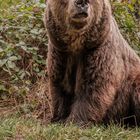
<point>81,6</point>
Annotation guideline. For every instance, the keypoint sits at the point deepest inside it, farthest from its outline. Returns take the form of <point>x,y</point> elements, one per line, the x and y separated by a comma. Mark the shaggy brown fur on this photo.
<point>94,76</point>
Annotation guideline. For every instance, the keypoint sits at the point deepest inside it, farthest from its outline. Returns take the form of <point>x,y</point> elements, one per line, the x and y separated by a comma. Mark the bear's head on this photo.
<point>77,13</point>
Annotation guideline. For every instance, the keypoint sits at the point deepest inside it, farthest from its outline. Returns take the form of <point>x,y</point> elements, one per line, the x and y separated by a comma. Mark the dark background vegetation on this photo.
<point>23,53</point>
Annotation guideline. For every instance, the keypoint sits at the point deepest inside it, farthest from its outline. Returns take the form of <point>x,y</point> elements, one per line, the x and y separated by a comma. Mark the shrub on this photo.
<point>23,48</point>
<point>127,16</point>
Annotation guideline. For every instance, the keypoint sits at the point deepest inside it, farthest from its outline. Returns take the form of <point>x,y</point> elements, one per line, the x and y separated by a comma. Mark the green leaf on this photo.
<point>13,58</point>
<point>11,64</point>
<point>2,88</point>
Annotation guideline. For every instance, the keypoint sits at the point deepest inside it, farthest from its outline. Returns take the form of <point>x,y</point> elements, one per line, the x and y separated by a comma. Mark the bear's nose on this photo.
<point>83,4</point>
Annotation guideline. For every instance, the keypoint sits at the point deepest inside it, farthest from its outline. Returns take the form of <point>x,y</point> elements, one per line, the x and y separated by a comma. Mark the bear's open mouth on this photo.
<point>80,15</point>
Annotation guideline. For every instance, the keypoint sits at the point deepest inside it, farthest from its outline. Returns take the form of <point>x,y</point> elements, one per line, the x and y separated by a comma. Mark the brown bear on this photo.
<point>94,75</point>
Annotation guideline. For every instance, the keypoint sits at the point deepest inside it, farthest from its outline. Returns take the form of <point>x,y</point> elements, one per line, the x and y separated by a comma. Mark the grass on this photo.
<point>14,128</point>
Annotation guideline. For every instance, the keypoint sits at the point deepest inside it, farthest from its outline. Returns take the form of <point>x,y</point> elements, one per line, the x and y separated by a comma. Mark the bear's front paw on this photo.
<point>74,120</point>
<point>57,119</point>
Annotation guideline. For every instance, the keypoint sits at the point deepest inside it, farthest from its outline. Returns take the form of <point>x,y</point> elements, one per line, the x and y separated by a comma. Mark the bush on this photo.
<point>23,48</point>
<point>127,17</point>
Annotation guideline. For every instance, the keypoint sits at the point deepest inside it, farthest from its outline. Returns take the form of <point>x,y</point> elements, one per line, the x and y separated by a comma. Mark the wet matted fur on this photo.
<point>94,75</point>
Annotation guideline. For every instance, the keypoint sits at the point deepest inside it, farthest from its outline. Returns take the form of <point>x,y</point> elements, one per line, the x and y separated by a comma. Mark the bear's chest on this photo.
<point>75,41</point>
<point>76,45</point>
<point>73,72</point>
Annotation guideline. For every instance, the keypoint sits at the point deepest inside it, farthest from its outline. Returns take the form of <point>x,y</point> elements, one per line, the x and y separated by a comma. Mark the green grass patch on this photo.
<point>31,129</point>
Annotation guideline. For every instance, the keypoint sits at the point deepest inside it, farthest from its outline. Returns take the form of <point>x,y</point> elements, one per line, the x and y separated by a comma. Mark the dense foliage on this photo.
<point>23,42</point>
<point>128,18</point>
<point>23,46</point>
